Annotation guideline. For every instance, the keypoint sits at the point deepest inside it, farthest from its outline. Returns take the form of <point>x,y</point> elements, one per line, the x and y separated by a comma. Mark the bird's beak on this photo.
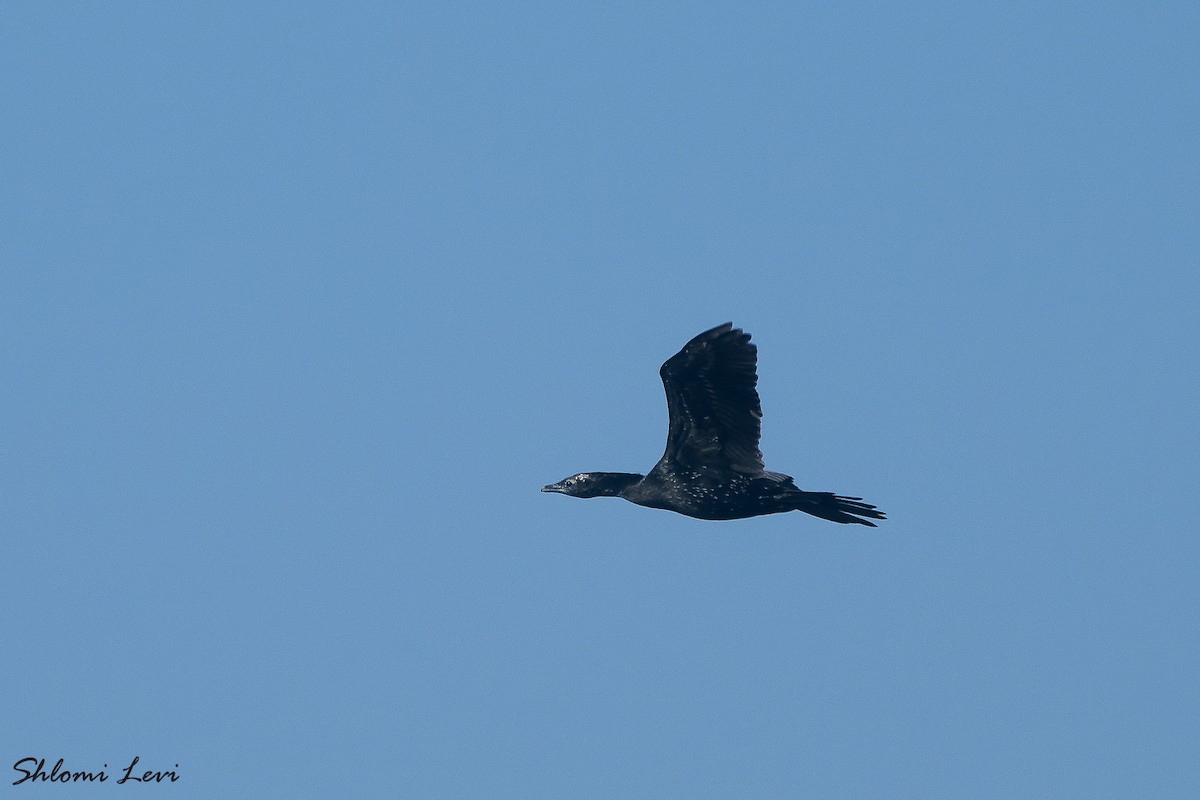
<point>553,487</point>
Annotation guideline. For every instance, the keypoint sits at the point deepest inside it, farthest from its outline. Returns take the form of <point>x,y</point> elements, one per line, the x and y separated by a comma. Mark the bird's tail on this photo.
<point>836,508</point>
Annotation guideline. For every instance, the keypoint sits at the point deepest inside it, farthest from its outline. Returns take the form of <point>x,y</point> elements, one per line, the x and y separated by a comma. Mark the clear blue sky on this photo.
<point>301,303</point>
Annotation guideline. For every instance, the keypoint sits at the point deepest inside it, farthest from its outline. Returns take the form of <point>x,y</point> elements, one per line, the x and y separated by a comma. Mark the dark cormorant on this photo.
<point>712,467</point>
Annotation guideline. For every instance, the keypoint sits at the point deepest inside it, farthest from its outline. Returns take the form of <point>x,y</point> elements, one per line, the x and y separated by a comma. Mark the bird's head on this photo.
<point>593,484</point>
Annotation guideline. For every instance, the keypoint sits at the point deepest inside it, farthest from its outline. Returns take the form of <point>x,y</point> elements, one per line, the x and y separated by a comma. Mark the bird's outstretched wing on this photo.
<point>713,403</point>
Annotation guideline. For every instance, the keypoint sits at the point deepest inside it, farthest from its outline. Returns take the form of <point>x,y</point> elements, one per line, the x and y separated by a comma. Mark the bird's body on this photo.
<point>712,467</point>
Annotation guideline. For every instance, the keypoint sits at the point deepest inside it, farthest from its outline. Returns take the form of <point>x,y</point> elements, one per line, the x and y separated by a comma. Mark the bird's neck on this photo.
<point>611,484</point>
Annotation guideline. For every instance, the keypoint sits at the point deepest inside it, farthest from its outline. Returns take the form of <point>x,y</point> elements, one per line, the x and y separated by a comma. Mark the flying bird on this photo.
<point>712,467</point>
